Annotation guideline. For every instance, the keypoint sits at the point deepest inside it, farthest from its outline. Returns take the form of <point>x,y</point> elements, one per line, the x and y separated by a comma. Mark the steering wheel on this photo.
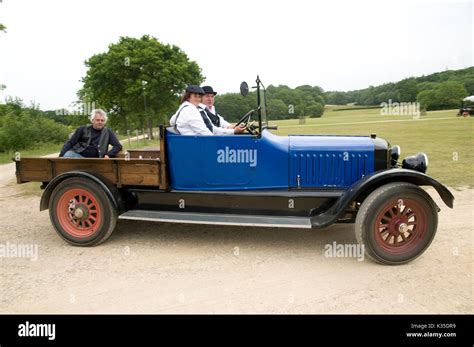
<point>249,126</point>
<point>245,119</point>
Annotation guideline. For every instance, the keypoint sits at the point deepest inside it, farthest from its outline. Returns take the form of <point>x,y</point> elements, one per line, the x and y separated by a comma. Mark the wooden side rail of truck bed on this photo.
<point>142,167</point>
<point>118,171</point>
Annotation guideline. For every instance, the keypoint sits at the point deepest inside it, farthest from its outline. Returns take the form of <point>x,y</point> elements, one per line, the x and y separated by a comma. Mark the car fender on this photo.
<point>111,191</point>
<point>362,188</point>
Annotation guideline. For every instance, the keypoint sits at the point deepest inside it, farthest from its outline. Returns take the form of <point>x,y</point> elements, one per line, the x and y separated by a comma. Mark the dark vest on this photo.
<point>213,117</point>
<point>86,141</point>
<point>205,119</point>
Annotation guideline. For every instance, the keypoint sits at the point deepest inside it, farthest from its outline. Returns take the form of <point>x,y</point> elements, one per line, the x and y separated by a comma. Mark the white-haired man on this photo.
<point>92,140</point>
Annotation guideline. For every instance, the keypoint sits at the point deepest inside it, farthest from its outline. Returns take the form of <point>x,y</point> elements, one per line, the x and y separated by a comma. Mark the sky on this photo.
<point>337,45</point>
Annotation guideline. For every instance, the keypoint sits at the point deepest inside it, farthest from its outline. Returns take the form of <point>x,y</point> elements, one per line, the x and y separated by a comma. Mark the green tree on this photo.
<point>314,110</point>
<point>407,90</point>
<point>444,96</point>
<point>336,98</point>
<point>140,79</point>
<point>26,127</point>
<point>469,85</point>
<point>232,106</point>
<point>277,109</point>
<point>449,94</point>
<point>426,98</point>
<point>296,100</point>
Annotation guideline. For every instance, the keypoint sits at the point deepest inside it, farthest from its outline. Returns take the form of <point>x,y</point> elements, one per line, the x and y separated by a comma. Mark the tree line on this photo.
<point>23,127</point>
<point>283,102</point>
<point>437,91</point>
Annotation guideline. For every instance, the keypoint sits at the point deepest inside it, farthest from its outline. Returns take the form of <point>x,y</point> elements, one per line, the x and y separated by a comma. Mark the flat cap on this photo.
<point>194,89</point>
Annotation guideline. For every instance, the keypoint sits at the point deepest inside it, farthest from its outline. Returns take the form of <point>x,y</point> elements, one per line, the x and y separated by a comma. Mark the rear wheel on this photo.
<point>81,212</point>
<point>396,223</point>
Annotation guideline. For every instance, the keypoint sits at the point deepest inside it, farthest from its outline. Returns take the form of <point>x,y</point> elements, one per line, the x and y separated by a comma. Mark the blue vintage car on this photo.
<point>253,179</point>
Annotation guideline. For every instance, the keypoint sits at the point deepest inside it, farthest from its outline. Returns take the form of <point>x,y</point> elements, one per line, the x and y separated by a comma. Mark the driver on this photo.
<point>190,119</point>
<point>217,120</point>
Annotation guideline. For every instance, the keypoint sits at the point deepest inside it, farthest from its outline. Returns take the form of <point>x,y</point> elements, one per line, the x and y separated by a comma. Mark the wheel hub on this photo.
<point>80,212</point>
<point>402,228</point>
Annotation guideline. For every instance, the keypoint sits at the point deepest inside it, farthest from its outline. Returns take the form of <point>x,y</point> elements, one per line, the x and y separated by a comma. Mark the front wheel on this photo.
<point>396,223</point>
<point>81,212</point>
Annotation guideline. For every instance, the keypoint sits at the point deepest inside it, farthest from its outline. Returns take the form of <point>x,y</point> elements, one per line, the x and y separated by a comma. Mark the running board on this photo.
<point>218,219</point>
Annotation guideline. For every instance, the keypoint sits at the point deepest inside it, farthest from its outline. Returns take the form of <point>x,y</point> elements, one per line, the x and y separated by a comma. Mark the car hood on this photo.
<point>329,161</point>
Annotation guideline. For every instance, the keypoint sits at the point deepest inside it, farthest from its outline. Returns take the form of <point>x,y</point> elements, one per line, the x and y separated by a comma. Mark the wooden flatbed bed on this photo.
<point>140,167</point>
<point>119,172</point>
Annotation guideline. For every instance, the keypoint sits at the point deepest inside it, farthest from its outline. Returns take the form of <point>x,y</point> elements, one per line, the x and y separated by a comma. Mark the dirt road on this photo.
<point>174,268</point>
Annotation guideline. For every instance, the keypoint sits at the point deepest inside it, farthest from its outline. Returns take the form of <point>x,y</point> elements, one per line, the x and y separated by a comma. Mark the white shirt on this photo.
<point>190,122</point>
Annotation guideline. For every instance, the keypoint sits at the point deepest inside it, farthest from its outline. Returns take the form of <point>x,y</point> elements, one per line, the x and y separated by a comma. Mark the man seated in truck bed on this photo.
<point>92,140</point>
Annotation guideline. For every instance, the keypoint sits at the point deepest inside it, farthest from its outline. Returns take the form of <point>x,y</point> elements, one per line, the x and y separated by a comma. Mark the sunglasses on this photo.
<point>197,95</point>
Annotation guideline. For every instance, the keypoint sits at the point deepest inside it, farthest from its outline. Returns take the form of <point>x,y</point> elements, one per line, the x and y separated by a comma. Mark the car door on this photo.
<point>239,162</point>
<point>230,161</point>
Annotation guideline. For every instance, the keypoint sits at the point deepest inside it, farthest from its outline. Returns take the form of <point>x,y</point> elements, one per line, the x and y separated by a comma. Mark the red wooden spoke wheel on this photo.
<point>396,223</point>
<point>82,211</point>
<point>79,213</point>
<point>400,226</point>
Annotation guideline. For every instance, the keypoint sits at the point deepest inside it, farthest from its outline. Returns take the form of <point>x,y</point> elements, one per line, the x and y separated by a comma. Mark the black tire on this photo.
<point>377,223</point>
<point>98,210</point>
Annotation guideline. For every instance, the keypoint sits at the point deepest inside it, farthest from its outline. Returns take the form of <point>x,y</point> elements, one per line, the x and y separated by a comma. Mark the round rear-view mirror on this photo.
<point>244,88</point>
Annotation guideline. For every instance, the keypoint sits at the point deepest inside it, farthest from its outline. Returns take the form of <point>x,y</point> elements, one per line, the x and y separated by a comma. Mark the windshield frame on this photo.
<point>262,109</point>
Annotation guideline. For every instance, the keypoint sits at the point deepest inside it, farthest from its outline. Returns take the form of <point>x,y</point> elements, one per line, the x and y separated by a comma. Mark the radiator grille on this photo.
<point>339,169</point>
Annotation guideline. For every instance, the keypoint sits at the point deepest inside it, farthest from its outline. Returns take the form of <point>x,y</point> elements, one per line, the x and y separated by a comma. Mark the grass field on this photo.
<point>446,139</point>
